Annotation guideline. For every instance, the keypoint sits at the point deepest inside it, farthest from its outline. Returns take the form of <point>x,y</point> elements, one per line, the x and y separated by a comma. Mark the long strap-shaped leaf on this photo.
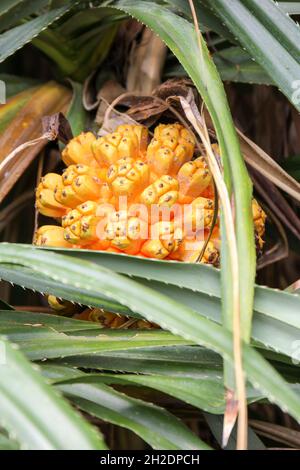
<point>206,18</point>
<point>269,35</point>
<point>54,347</point>
<point>56,323</point>
<point>278,23</point>
<point>18,10</point>
<point>173,361</point>
<point>292,8</point>
<point>267,334</point>
<point>156,307</point>
<point>205,393</point>
<point>27,278</point>
<point>193,362</point>
<point>6,5</point>
<point>32,411</point>
<point>282,305</point>
<point>15,38</point>
<point>8,444</point>
<point>152,423</point>
<point>274,321</point>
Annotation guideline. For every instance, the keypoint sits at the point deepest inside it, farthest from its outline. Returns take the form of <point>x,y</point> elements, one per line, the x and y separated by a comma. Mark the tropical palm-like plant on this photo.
<point>224,341</point>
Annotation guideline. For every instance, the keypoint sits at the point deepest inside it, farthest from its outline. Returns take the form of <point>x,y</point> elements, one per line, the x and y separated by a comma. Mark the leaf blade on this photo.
<point>33,415</point>
<point>156,307</point>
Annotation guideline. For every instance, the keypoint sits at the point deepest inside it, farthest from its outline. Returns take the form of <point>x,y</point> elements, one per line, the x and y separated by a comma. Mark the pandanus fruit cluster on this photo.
<point>129,193</point>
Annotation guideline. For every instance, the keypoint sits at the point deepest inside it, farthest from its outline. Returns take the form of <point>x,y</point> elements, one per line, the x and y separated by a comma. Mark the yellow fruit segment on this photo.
<point>62,307</point>
<point>80,224</point>
<point>171,146</point>
<point>259,218</point>
<point>50,235</point>
<point>190,250</point>
<point>165,239</point>
<point>46,203</point>
<point>193,178</point>
<point>141,132</point>
<point>198,215</point>
<point>128,177</point>
<point>164,191</point>
<point>128,141</point>
<point>125,233</point>
<point>79,150</point>
<point>113,320</point>
<point>80,183</point>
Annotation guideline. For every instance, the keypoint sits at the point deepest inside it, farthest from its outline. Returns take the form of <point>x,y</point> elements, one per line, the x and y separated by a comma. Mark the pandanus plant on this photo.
<point>126,283</point>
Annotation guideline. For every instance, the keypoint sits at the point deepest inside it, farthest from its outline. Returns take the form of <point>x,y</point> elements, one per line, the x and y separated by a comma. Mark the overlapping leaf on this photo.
<point>31,409</point>
<point>17,37</point>
<point>274,31</point>
<point>171,315</point>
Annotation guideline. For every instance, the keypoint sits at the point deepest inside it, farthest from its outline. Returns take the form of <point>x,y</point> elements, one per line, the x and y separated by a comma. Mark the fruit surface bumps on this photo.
<point>191,249</point>
<point>193,178</point>
<point>125,232</point>
<point>127,141</point>
<point>171,146</point>
<point>165,176</point>
<point>164,191</point>
<point>79,150</point>
<point>128,177</point>
<point>51,235</point>
<point>140,131</point>
<point>80,183</point>
<point>166,238</point>
<point>46,203</point>
<point>80,224</point>
<point>198,215</point>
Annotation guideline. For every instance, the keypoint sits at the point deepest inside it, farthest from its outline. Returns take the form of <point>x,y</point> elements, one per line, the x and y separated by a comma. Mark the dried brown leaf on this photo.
<point>230,416</point>
<point>276,202</point>
<point>176,87</point>
<point>58,127</point>
<point>148,110</point>
<point>276,432</point>
<point>110,90</point>
<point>280,250</point>
<point>27,126</point>
<point>146,61</point>
<point>265,165</point>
